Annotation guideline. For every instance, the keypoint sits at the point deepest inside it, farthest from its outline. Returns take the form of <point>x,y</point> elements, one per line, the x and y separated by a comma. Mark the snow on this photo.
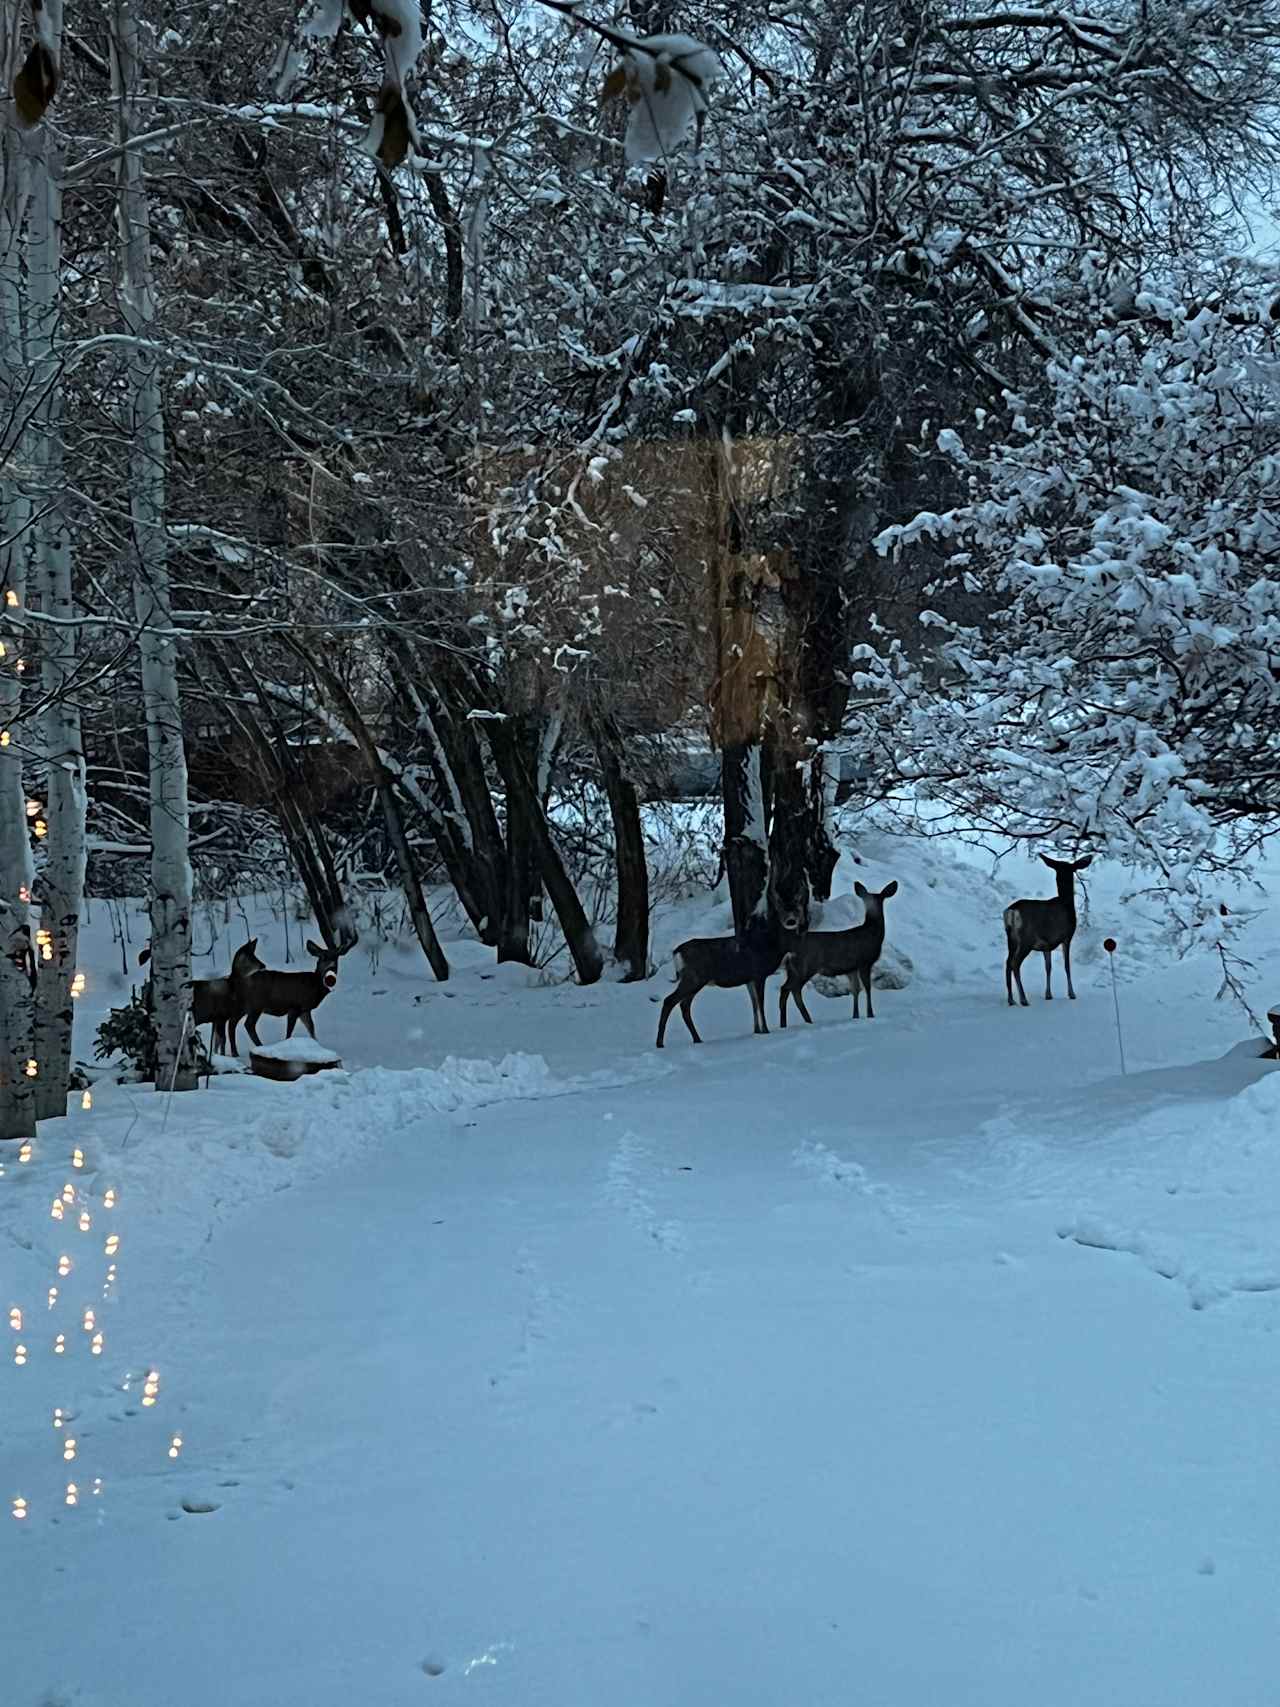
<point>297,1049</point>
<point>923,1359</point>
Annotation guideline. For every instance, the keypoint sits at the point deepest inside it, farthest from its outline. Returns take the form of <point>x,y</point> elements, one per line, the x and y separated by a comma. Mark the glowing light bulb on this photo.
<point>88,1323</point>
<point>59,1345</point>
<point>11,598</point>
<point>53,1296</point>
<point>20,667</point>
<point>68,1192</point>
<point>24,894</point>
<point>150,1388</point>
<point>56,1210</point>
<point>19,1355</point>
<point>77,1158</point>
<point>109,1198</point>
<point>95,1345</point>
<point>73,1493</point>
<point>42,829</point>
<point>112,1245</point>
<point>68,1448</point>
<point>33,1067</point>
<point>175,1446</point>
<point>19,1508</point>
<point>4,737</point>
<point>33,811</point>
<point>43,937</point>
<point>97,1486</point>
<point>24,1154</point>
<point>58,1418</point>
<point>77,984</point>
<point>65,1265</point>
<point>86,1221</point>
<point>46,953</point>
<point>86,1101</point>
<point>15,1319</point>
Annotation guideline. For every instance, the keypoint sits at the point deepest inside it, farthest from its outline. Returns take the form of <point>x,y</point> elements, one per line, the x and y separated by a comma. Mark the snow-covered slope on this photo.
<point>918,1360</point>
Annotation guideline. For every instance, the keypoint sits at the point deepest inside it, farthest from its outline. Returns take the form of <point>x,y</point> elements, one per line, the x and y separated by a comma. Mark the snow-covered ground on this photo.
<point>922,1360</point>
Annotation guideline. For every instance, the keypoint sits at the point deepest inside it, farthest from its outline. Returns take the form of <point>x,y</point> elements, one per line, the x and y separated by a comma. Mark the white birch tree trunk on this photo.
<point>61,886</point>
<point>17,1002</point>
<point>170,817</point>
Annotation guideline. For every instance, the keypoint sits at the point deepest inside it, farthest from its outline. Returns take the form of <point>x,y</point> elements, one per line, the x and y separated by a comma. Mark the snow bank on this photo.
<point>297,1049</point>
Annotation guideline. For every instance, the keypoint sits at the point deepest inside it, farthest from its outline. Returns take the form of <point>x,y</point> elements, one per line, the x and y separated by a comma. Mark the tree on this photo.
<point>1124,692</point>
<point>157,640</point>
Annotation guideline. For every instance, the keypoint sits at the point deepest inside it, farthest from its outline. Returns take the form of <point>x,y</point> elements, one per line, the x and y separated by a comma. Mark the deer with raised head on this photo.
<point>215,1002</point>
<point>295,995</point>
<point>729,962</point>
<point>1032,926</point>
<point>833,954</point>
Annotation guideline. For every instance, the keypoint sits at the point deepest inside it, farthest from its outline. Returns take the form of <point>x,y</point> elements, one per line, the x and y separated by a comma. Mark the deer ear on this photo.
<point>1053,864</point>
<point>860,890</point>
<point>313,949</point>
<point>889,889</point>
<point>144,956</point>
<point>252,944</point>
<point>1081,863</point>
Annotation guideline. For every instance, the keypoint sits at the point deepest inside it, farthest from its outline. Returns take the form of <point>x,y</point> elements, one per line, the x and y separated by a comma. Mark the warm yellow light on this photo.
<point>88,1321</point>
<point>77,984</point>
<point>33,811</point>
<point>20,667</point>
<point>32,1067</point>
<point>86,1101</point>
<point>109,1198</point>
<point>86,1221</point>
<point>68,1193</point>
<point>73,1493</point>
<point>56,1211</point>
<point>112,1245</point>
<point>46,953</point>
<point>59,1345</point>
<point>68,1449</point>
<point>19,1355</point>
<point>4,737</point>
<point>19,1508</point>
<point>24,1154</point>
<point>65,1265</point>
<point>175,1446</point>
<point>77,1158</point>
<point>42,936</point>
<point>11,598</point>
<point>42,829</point>
<point>95,1344</point>
<point>15,1319</point>
<point>24,894</point>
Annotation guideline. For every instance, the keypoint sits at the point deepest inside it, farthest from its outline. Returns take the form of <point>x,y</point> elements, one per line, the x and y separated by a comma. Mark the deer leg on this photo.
<point>1048,969</point>
<point>759,1024</point>
<point>231,1036</point>
<point>866,984</point>
<point>665,1015</point>
<point>306,1020</point>
<point>798,993</point>
<point>782,1002</point>
<point>1015,960</point>
<point>293,1020</point>
<point>1066,961</point>
<point>251,1026</point>
<point>686,1013</point>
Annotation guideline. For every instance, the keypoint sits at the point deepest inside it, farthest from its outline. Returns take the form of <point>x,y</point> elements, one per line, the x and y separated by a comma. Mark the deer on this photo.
<point>831,953</point>
<point>1043,925</point>
<point>729,962</point>
<point>295,994</point>
<point>215,1002</point>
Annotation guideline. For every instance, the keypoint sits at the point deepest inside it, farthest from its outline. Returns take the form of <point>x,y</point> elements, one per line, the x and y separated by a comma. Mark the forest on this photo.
<point>427,431</point>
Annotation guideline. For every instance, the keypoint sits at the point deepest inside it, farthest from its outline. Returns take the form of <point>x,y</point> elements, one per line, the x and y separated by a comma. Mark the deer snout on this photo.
<point>329,980</point>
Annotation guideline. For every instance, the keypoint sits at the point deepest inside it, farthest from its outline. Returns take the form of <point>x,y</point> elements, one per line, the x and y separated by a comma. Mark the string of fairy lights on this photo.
<point>86,1268</point>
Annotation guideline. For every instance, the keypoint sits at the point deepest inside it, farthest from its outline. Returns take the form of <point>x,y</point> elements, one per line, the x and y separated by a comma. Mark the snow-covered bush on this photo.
<point>1127,691</point>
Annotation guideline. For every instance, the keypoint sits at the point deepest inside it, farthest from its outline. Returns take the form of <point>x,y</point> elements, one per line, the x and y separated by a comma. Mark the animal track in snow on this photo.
<point>825,1164</point>
<point>624,1189</point>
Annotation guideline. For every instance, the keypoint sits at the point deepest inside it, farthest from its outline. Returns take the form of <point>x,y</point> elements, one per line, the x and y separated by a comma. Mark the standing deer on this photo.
<point>295,994</point>
<point>833,953</point>
<point>215,1002</point>
<point>728,962</point>
<point>1043,925</point>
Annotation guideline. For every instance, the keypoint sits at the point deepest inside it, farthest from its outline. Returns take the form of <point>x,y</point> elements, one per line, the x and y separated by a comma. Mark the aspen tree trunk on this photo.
<point>61,886</point>
<point>17,1002</point>
<point>170,817</point>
